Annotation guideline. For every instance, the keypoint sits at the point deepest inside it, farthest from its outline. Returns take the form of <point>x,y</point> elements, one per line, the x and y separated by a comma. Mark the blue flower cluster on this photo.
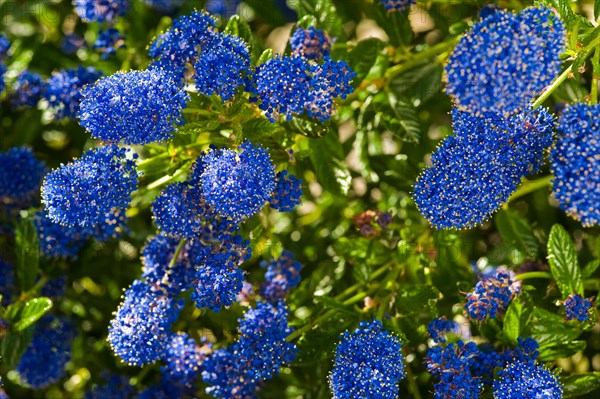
<point>71,43</point>
<point>225,8</point>
<point>44,360</point>
<point>238,370</point>
<point>138,331</point>
<point>109,41</point>
<point>55,288</point>
<point>56,240</point>
<point>397,5</point>
<point>476,169</point>
<point>287,193</point>
<point>116,387</point>
<point>492,295</point>
<point>294,85</point>
<point>439,327</point>
<point>92,192</point>
<point>63,91</point>
<point>312,43</point>
<point>526,380</point>
<point>368,364</point>
<point>575,163</point>
<point>506,60</point>
<point>452,365</point>
<point>577,308</point>
<point>100,10</point>
<point>183,360</point>
<point>222,67</point>
<point>219,279</point>
<point>281,277</point>
<point>21,176</point>
<point>136,107</point>
<point>7,281</point>
<point>158,253</point>
<point>28,89</point>
<point>237,183</point>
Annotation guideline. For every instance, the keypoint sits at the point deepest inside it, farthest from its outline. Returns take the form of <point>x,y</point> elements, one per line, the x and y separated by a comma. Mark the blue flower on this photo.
<point>526,381</point>
<point>183,360</point>
<point>237,184</point>
<point>368,364</point>
<point>71,43</point>
<point>141,326</point>
<point>167,389</point>
<point>183,43</point>
<point>21,176</point>
<point>225,8</point>
<point>57,241</point>
<point>492,295</point>
<point>452,367</point>
<point>257,355</point>
<point>281,277</point>
<point>311,43</point>
<point>287,192</point>
<point>475,171</point>
<point>63,91</point>
<point>28,89</point>
<point>291,86</point>
<point>44,360</point>
<point>397,5</point>
<point>577,308</point>
<point>55,288</point>
<point>100,10</point>
<point>525,351</point>
<point>575,163</point>
<point>7,281</point>
<point>181,211</point>
<point>137,107</point>
<point>506,60</point>
<point>219,279</point>
<point>93,192</point>
<point>109,41</point>
<point>158,253</point>
<point>439,327</point>
<point>4,46</point>
<point>222,67</point>
<point>116,387</point>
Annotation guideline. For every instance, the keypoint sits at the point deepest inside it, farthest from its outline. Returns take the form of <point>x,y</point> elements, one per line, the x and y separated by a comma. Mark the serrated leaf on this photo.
<point>418,84</point>
<point>22,315</point>
<point>590,268</point>
<point>548,328</point>
<point>560,350</point>
<point>363,57</point>
<point>516,232</point>
<point>580,384</point>
<point>517,317</point>
<point>27,253</point>
<point>407,120</point>
<point>563,262</point>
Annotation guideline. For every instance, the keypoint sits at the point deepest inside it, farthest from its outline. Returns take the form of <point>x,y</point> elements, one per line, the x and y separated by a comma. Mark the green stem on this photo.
<point>165,179</point>
<point>352,288</point>
<point>412,384</point>
<point>546,94</point>
<point>529,275</point>
<point>530,186</point>
<point>177,252</point>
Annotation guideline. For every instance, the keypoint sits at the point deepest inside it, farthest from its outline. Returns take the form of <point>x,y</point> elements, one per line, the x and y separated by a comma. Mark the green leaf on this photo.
<point>549,328</point>
<point>416,299</point>
<point>517,318</point>
<point>408,126</point>
<point>265,56</point>
<point>395,24</point>
<point>580,384</point>
<point>27,253</point>
<point>240,28</point>
<point>590,268</point>
<point>13,345</point>
<point>516,232</point>
<point>560,350</point>
<point>418,84</point>
<point>327,158</point>
<point>563,262</point>
<point>22,315</point>
<point>596,9</point>
<point>363,57</point>
<point>325,13</point>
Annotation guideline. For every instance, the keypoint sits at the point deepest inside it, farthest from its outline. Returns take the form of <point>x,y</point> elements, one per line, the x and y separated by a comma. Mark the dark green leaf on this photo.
<point>563,262</point>
<point>22,315</point>
<point>516,232</point>
<point>332,173</point>
<point>580,384</point>
<point>517,318</point>
<point>27,253</point>
<point>395,24</point>
<point>363,57</point>
<point>405,119</point>
<point>560,350</point>
<point>590,268</point>
<point>549,328</point>
<point>416,299</point>
<point>334,304</point>
<point>325,13</point>
<point>418,84</point>
<point>12,346</point>
<point>240,28</point>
